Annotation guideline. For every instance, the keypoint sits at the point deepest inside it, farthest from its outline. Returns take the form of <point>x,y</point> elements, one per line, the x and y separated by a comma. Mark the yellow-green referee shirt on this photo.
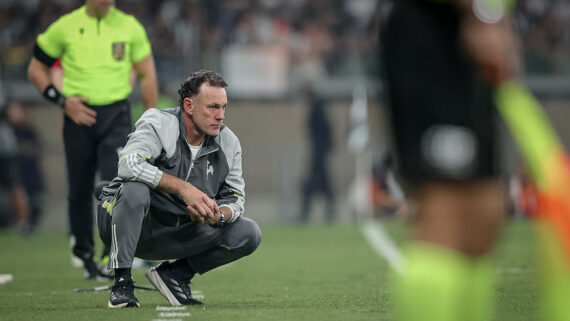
<point>96,54</point>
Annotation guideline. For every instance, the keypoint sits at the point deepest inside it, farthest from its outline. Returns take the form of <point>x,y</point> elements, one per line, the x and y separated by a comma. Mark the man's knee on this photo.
<point>134,194</point>
<point>251,235</point>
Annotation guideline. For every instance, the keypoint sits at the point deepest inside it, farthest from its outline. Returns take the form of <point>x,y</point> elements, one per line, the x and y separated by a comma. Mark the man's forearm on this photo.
<point>146,72</point>
<point>201,208</point>
<point>149,91</point>
<point>39,75</point>
<point>172,184</point>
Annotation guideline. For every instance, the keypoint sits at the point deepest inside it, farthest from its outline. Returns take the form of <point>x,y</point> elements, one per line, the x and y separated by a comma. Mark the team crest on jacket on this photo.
<point>209,169</point>
<point>118,50</point>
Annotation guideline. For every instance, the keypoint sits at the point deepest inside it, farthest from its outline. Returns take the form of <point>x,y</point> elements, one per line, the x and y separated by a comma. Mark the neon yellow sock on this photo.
<point>435,285</point>
<point>481,294</point>
<point>554,272</point>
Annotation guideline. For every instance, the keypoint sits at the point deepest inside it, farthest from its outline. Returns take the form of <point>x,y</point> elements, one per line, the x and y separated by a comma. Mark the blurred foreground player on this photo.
<point>98,46</point>
<point>442,60</point>
<point>179,196</point>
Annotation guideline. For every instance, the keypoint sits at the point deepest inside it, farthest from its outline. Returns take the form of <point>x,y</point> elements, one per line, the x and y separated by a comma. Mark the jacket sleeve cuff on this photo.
<point>156,179</point>
<point>235,214</point>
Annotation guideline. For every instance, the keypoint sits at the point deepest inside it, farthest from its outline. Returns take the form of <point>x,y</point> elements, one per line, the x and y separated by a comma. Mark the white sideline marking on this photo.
<point>17,294</point>
<point>197,294</point>
<point>5,278</point>
<point>381,242</point>
<point>173,314</point>
<point>166,319</point>
<point>167,308</point>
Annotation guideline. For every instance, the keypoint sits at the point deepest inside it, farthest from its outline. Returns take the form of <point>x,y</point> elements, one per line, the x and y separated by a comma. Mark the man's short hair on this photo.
<point>191,87</point>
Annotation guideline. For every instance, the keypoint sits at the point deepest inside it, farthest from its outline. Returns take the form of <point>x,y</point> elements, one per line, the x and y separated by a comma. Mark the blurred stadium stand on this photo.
<point>268,50</point>
<point>280,44</point>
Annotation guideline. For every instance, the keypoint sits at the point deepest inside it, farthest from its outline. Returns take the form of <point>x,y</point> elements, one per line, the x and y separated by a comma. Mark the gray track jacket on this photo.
<point>158,145</point>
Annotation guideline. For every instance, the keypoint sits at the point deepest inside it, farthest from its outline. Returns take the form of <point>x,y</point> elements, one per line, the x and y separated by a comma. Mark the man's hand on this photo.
<point>202,208</point>
<point>217,214</point>
<point>491,46</point>
<point>80,114</point>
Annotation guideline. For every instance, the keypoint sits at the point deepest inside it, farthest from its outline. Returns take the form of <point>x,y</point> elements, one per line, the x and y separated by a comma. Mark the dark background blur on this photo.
<point>269,51</point>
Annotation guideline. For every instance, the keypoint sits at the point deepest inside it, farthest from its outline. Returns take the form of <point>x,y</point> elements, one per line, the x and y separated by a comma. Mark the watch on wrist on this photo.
<point>222,219</point>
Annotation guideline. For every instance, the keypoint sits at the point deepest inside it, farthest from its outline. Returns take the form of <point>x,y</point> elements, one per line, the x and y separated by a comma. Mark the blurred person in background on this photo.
<point>317,179</point>
<point>98,46</point>
<point>179,195</point>
<point>442,62</point>
<point>9,175</point>
<point>388,196</point>
<point>163,101</point>
<point>28,160</point>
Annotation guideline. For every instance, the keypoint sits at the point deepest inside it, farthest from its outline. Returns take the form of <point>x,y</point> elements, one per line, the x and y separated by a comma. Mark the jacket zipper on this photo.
<point>200,155</point>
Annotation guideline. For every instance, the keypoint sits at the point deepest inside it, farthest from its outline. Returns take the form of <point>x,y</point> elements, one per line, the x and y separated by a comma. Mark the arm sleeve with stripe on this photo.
<point>232,191</point>
<point>155,132</point>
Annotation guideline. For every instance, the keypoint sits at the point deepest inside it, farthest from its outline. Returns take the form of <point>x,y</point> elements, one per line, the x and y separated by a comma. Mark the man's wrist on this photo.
<point>228,213</point>
<point>52,94</point>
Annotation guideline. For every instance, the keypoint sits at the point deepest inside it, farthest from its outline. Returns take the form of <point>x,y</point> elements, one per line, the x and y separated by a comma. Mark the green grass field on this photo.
<point>313,272</point>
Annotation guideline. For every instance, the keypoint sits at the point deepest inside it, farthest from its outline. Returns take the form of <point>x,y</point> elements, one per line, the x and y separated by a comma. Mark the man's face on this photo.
<point>100,7</point>
<point>207,109</point>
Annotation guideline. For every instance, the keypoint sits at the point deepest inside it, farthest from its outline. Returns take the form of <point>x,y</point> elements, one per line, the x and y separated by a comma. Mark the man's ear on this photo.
<point>188,105</point>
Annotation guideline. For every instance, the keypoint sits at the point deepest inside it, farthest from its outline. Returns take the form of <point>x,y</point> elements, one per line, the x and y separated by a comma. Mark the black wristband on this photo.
<point>52,94</point>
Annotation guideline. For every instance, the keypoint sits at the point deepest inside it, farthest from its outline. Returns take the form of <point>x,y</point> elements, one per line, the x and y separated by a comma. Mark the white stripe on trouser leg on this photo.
<point>114,247</point>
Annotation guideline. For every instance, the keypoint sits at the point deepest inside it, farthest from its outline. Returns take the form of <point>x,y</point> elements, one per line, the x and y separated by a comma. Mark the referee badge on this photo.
<point>118,50</point>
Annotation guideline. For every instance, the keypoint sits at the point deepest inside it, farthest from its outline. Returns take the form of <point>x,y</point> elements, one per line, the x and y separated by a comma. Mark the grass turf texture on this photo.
<point>313,272</point>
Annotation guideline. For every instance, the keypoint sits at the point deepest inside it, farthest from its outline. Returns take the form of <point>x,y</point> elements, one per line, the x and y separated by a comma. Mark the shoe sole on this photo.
<point>129,304</point>
<point>155,279</point>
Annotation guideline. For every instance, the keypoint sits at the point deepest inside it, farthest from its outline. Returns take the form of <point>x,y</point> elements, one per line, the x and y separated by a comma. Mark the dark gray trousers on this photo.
<point>134,229</point>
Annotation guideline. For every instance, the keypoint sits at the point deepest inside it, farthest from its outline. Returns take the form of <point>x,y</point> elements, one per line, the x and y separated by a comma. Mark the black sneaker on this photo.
<point>90,269</point>
<point>174,288</point>
<point>93,272</point>
<point>105,273</point>
<point>123,296</point>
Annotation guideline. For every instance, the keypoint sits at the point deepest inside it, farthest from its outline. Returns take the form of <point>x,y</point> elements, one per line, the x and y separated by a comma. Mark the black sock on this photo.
<point>183,268</point>
<point>123,275</point>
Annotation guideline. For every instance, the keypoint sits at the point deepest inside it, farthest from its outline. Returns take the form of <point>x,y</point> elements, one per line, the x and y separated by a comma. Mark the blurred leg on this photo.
<point>449,276</point>
<point>112,135</point>
<point>307,195</point>
<point>112,131</point>
<point>21,206</point>
<point>80,163</point>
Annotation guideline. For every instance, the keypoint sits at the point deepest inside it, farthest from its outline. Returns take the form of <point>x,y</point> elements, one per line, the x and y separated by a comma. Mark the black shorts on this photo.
<point>441,109</point>
<point>8,172</point>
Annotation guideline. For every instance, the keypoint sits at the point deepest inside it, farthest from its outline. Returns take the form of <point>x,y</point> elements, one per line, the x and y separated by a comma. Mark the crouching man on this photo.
<point>179,196</point>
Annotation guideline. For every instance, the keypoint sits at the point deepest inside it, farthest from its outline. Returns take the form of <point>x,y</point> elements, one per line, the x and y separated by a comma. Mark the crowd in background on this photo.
<point>544,28</point>
<point>330,35</point>
<point>331,38</point>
